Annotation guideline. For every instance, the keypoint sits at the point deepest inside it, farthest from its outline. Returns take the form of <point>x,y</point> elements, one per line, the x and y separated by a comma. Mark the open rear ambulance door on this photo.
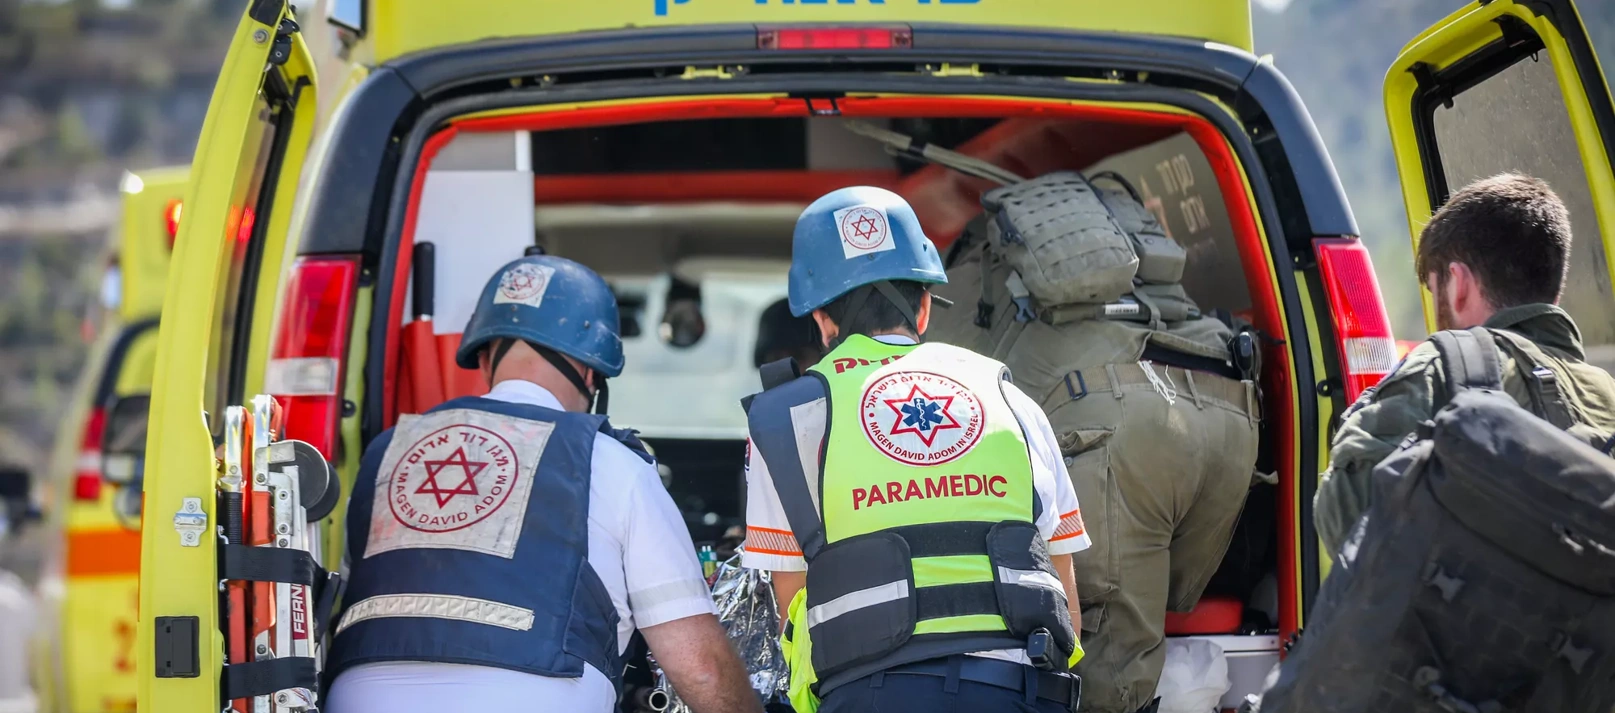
<point>1514,85</point>
<point>225,269</point>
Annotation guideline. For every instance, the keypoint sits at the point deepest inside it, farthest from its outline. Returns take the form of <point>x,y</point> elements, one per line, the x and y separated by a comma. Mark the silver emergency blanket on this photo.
<point>745,600</point>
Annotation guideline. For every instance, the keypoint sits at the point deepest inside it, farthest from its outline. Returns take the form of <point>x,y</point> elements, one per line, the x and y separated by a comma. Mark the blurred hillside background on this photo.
<point>89,88</point>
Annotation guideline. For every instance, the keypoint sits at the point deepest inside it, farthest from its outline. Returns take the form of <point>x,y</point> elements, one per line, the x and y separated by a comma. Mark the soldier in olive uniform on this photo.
<point>1495,255</point>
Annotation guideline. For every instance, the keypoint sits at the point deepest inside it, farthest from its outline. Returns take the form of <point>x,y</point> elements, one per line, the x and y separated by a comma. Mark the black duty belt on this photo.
<point>1190,362</point>
<point>1062,688</point>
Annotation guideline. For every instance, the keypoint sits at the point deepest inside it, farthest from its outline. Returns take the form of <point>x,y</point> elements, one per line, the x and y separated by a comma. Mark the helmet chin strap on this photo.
<point>597,398</point>
<point>861,296</point>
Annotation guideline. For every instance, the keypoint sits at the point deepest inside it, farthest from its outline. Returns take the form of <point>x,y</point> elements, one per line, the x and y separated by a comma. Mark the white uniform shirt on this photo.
<point>639,547</point>
<point>771,545</point>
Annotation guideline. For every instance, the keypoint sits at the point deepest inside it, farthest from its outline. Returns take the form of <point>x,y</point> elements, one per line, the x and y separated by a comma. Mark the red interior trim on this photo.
<point>935,197</point>
<point>670,110</point>
<point>395,304</point>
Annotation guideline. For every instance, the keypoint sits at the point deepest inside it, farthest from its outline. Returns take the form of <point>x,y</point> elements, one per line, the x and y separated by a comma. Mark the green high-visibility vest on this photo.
<point>918,447</point>
<point>918,521</point>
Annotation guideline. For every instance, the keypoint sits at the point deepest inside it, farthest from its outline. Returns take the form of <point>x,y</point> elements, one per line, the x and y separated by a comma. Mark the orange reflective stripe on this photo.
<point>1070,526</point>
<point>768,541</point>
<point>103,552</point>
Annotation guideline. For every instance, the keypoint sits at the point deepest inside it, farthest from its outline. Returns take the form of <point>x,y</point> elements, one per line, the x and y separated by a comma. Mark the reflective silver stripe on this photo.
<point>674,591</point>
<point>857,600</point>
<point>808,422</point>
<point>1030,578</point>
<point>438,606</point>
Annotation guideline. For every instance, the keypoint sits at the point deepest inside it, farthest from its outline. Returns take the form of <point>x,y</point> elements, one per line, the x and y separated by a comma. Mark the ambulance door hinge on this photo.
<point>1430,85</point>
<point>282,49</point>
<point>1517,34</point>
<point>719,72</point>
<point>177,647</point>
<point>953,70</point>
<point>823,106</point>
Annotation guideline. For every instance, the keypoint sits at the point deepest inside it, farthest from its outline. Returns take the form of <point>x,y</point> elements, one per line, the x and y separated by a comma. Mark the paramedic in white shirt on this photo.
<point>504,548</point>
<point>955,592</point>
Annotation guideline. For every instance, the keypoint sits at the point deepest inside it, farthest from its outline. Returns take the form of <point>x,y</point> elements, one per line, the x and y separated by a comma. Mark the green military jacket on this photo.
<point>1384,415</point>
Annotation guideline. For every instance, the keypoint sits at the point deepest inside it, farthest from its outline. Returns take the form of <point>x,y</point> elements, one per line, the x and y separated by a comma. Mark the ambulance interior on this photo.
<point>691,222</point>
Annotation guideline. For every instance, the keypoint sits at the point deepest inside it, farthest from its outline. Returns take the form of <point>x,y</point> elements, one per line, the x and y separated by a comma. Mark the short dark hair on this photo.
<point>779,332</point>
<point>1511,230</point>
<point>878,313</point>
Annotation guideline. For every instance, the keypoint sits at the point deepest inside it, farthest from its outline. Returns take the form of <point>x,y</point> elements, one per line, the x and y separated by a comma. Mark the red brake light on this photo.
<point>87,471</point>
<point>171,219</point>
<point>835,38</point>
<point>305,369</point>
<point>1367,349</point>
<point>244,228</point>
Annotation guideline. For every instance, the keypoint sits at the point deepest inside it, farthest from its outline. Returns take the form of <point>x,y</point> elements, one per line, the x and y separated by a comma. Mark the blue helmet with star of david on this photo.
<point>854,237</point>
<point>552,302</point>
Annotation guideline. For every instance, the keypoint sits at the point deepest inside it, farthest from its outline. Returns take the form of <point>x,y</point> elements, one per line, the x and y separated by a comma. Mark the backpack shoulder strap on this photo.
<point>1470,359</point>
<point>1547,399</point>
<point>776,373</point>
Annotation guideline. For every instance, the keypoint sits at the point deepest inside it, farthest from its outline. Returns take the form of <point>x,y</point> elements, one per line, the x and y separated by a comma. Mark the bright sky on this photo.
<point>1273,5</point>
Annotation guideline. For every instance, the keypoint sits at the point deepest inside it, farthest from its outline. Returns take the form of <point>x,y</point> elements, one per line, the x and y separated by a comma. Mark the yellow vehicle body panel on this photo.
<point>143,252</point>
<point>398,27</point>
<point>1460,36</point>
<point>179,580</point>
<point>99,568</point>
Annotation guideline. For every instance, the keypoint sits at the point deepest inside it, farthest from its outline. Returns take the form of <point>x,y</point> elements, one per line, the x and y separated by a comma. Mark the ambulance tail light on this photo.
<point>306,366</point>
<point>1363,329</point>
<point>171,213</point>
<point>87,470</point>
<point>834,38</point>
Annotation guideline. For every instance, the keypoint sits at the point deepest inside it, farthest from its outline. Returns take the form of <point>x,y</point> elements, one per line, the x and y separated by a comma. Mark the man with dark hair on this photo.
<point>780,335</point>
<point>911,488</point>
<point>1495,255</point>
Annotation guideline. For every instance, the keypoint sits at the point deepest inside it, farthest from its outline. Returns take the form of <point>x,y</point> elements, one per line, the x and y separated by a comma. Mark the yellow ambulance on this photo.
<point>670,145</point>
<point>93,572</point>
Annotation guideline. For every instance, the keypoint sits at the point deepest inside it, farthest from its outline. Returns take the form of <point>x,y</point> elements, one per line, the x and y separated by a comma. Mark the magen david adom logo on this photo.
<point>921,418</point>
<point>452,479</point>
<point>525,284</point>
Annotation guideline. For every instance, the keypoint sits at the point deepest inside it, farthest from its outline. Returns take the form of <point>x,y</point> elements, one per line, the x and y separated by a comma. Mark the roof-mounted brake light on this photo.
<point>834,38</point>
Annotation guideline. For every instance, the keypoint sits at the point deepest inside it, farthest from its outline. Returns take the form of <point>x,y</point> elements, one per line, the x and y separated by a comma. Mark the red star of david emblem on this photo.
<point>466,487</point>
<point>866,227</point>
<point>922,414</point>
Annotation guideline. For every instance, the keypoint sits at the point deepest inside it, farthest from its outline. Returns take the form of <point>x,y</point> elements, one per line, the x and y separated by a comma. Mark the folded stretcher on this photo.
<point>275,596</point>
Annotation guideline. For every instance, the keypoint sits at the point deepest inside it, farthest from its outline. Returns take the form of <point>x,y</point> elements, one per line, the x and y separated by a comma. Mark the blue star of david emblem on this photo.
<point>922,414</point>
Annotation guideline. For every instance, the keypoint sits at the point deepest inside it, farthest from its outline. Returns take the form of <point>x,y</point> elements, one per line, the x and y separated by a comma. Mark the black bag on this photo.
<point>1481,580</point>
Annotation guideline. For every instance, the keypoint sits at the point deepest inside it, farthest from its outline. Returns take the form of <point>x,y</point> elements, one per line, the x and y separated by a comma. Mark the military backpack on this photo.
<point>1482,578</point>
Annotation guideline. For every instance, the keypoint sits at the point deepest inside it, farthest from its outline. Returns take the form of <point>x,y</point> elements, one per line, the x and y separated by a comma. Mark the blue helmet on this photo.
<point>552,302</point>
<point>854,237</point>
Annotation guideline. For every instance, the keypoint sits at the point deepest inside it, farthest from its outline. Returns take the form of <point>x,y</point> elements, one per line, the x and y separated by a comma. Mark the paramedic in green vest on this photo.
<point>1496,255</point>
<point>916,493</point>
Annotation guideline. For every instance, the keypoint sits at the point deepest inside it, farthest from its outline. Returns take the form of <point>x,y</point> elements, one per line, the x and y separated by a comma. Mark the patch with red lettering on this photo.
<point>436,489</point>
<point>920,418</point>
<point>457,482</point>
<point>524,284</point>
<point>864,230</point>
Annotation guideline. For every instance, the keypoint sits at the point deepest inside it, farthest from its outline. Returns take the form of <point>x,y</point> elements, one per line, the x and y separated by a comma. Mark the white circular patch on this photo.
<point>524,283</point>
<point>863,228</point>
<point>452,479</point>
<point>920,418</point>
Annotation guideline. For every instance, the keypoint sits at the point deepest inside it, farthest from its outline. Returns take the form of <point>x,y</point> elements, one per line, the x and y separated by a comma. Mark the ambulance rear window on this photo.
<point>691,222</point>
<point>1517,121</point>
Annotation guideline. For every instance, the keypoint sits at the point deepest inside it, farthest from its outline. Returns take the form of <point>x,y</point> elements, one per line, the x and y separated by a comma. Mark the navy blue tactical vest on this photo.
<point>468,538</point>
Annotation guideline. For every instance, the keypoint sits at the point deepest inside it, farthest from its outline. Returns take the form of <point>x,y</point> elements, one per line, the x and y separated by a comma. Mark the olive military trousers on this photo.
<point>1162,460</point>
